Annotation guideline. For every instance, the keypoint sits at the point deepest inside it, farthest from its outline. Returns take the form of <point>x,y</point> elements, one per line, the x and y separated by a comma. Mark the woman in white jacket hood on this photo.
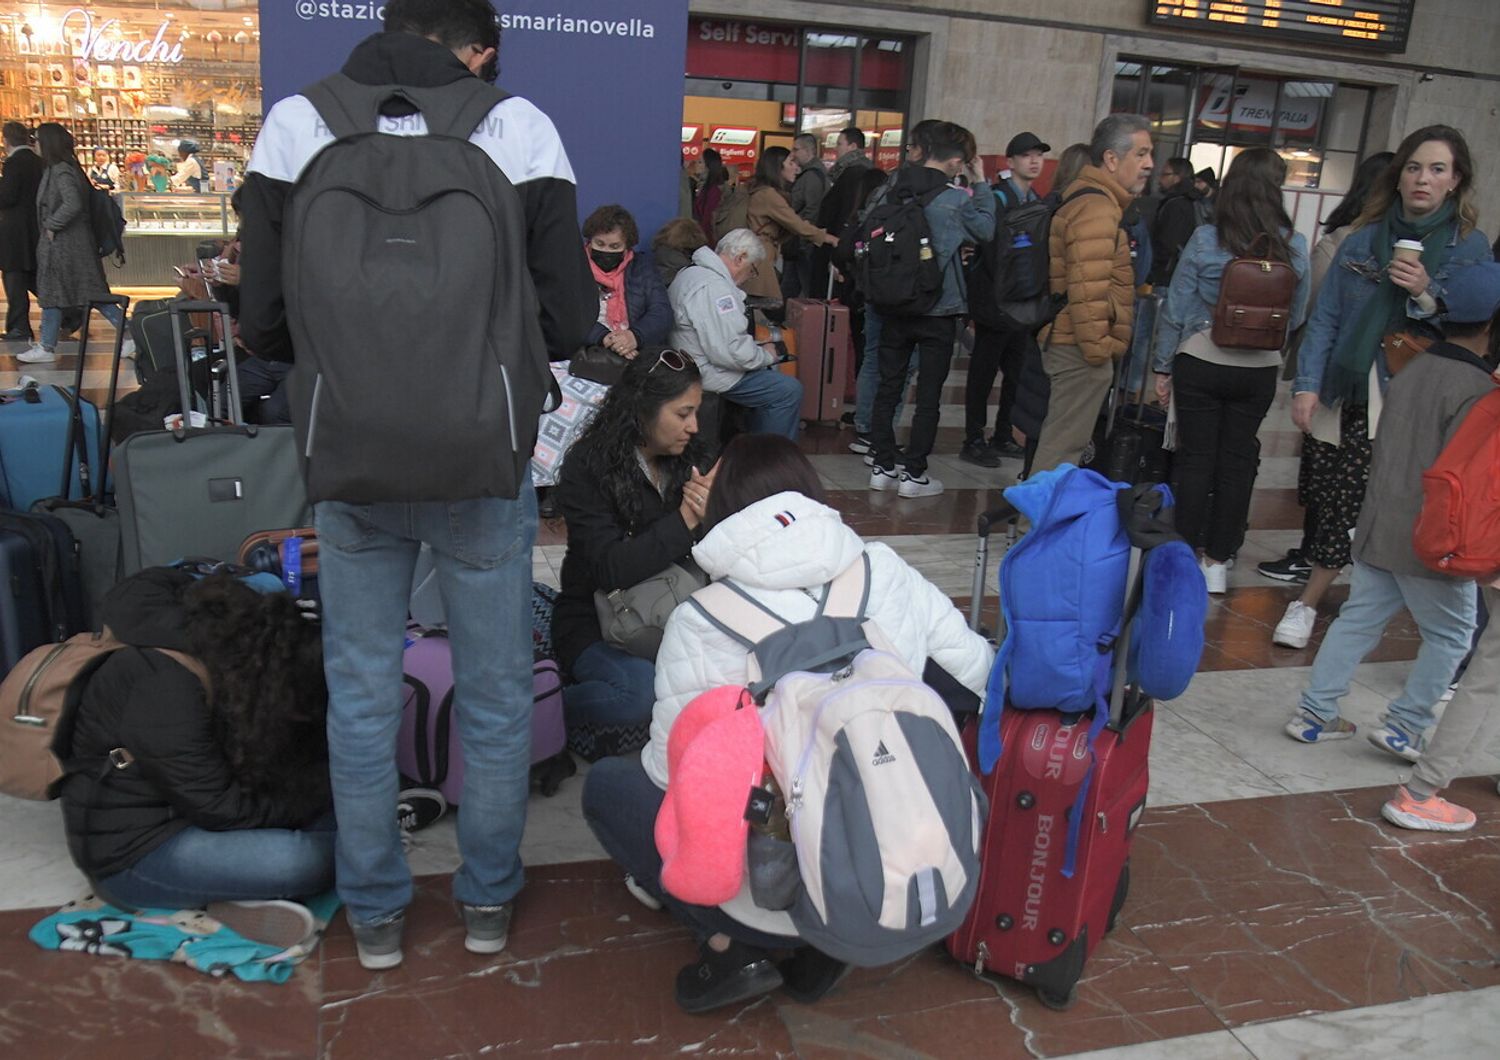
<point>781,546</point>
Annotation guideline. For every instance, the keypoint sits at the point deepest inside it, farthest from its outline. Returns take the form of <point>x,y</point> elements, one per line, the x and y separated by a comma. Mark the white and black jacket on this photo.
<point>520,139</point>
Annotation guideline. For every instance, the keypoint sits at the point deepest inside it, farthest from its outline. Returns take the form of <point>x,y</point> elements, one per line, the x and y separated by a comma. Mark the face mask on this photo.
<point>608,260</point>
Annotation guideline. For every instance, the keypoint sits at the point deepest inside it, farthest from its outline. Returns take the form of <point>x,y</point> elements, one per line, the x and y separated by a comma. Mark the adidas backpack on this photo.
<point>421,368</point>
<point>895,262</point>
<point>1458,529</point>
<point>885,814</point>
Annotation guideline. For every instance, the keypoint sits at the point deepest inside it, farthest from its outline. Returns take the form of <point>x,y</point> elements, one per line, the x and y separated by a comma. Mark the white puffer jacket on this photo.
<point>782,551</point>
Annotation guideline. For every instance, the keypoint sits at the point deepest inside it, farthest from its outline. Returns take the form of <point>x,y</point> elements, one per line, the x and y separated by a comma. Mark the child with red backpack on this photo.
<point>1455,533</point>
<point>1422,411</point>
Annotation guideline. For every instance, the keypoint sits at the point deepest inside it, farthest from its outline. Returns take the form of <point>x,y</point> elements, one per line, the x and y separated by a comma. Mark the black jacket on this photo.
<point>155,709</point>
<point>603,553</point>
<point>1175,221</point>
<point>646,305</point>
<point>19,232</point>
<point>565,288</point>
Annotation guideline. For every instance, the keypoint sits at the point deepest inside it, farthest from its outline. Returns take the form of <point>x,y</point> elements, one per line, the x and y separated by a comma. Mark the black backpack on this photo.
<point>421,368</point>
<point>108,225</point>
<point>896,265</point>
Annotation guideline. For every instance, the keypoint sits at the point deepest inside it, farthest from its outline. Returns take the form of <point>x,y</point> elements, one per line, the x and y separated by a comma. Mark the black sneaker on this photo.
<point>718,979</point>
<point>1007,447</point>
<point>847,419</point>
<point>979,453</point>
<point>416,808</point>
<point>809,975</point>
<point>1291,568</point>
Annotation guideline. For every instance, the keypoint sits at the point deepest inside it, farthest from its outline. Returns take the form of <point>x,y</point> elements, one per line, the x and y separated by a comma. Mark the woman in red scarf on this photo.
<point>633,308</point>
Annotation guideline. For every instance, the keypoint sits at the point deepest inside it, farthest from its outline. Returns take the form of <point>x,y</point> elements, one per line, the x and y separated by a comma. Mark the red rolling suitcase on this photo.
<point>1029,922</point>
<point>823,343</point>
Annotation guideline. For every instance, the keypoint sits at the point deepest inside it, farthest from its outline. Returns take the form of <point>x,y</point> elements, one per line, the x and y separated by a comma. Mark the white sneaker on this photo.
<point>922,486</point>
<point>1296,626</point>
<point>882,480</point>
<point>36,354</point>
<point>1215,575</point>
<point>128,349</point>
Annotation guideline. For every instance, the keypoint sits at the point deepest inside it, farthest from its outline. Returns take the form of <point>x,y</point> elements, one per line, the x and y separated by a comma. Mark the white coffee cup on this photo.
<point>1407,250</point>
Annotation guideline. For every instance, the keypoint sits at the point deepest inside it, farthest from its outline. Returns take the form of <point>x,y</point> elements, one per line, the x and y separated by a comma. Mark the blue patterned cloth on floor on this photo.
<point>185,936</point>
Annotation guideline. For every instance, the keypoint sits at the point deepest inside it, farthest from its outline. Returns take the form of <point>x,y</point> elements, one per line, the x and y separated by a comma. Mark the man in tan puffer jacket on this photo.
<point>1090,264</point>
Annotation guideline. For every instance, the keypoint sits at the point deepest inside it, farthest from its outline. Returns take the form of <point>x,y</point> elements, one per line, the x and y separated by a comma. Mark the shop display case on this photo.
<point>175,215</point>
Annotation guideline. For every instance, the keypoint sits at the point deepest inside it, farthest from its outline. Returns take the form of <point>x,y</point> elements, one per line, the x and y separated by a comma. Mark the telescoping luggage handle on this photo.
<point>182,342</point>
<point>77,438</point>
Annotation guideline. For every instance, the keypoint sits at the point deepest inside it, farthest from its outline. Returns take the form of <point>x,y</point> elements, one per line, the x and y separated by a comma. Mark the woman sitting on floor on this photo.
<point>219,790</point>
<point>769,530</point>
<point>632,492</point>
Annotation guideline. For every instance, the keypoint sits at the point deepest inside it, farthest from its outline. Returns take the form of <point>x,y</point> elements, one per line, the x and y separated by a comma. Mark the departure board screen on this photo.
<point>1378,25</point>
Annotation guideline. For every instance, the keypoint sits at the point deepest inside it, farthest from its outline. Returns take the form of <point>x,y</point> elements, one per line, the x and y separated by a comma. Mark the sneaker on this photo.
<point>1007,447</point>
<point>488,927</point>
<point>1449,693</point>
<point>918,486</point>
<point>847,419</point>
<point>1215,576</point>
<point>276,923</point>
<point>36,354</point>
<point>860,445</point>
<point>1296,626</point>
<point>979,453</point>
<point>1398,742</point>
<point>809,976</point>
<point>416,808</point>
<point>1432,814</point>
<point>645,897</point>
<point>718,979</point>
<point>881,479</point>
<point>1291,568</point>
<point>1308,729</point>
<point>378,945</point>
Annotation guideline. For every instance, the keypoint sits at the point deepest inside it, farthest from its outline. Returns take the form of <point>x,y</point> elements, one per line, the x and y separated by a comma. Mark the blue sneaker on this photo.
<point>1399,742</point>
<point>1306,728</point>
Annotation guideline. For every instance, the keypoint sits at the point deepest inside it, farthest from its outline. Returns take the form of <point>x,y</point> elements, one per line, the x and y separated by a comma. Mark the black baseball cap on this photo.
<point>1026,141</point>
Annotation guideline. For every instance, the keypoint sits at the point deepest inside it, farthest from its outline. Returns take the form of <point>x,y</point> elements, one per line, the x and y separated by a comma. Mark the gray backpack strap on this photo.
<point>848,595</point>
<point>349,108</point>
<point>735,613</point>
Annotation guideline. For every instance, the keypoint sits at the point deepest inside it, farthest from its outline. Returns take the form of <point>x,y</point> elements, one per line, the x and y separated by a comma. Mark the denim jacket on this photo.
<point>955,216</point>
<point>1350,282</point>
<point>1194,292</point>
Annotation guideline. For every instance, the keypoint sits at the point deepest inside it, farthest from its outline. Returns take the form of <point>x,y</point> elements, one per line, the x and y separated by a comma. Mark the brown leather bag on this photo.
<point>1401,348</point>
<point>38,698</point>
<point>1254,310</point>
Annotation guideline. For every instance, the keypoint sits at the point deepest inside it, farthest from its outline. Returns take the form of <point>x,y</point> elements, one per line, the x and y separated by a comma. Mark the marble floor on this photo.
<point>1272,914</point>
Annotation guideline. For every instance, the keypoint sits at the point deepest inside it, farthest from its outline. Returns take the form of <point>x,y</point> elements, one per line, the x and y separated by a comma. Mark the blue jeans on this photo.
<point>1444,612</point>
<point>773,398</point>
<point>1142,349</point>
<point>197,866</point>
<point>620,804</point>
<point>52,322</point>
<point>612,687</point>
<point>868,380</point>
<point>482,552</point>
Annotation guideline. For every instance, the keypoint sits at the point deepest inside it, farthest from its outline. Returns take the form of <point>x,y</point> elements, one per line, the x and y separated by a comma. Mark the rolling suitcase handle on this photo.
<point>77,437</point>
<point>1006,513</point>
<point>182,351</point>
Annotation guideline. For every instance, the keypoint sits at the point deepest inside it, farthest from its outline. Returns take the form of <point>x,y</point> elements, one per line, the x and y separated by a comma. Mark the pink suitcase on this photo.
<point>428,749</point>
<point>823,344</point>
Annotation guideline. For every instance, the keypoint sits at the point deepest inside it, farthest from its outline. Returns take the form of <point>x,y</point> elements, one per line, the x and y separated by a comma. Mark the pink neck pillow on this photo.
<point>715,755</point>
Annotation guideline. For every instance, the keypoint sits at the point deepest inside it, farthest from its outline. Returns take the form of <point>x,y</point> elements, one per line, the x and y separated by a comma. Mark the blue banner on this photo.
<point>608,73</point>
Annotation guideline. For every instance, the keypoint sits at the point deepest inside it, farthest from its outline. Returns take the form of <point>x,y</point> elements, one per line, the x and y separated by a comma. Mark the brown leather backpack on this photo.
<point>1254,310</point>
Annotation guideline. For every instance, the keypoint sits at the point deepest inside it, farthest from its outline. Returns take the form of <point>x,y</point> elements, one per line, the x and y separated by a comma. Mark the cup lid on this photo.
<point>1409,244</point>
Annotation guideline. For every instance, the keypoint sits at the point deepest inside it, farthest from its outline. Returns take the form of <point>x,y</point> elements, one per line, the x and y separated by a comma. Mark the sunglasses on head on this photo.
<point>672,359</point>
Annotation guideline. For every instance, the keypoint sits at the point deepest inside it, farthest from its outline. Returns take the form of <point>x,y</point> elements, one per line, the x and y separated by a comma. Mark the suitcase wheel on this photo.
<point>1057,1002</point>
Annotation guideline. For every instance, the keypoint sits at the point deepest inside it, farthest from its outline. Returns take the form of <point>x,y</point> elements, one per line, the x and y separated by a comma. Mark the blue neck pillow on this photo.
<point>1167,642</point>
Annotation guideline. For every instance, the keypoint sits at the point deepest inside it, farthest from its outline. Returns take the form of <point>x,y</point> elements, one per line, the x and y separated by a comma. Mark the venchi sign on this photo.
<point>153,50</point>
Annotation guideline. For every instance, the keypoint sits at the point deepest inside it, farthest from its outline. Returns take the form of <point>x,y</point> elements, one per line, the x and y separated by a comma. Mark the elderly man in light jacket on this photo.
<point>711,327</point>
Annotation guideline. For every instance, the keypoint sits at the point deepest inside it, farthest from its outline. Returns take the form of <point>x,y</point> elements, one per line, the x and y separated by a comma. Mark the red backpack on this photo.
<point>1458,530</point>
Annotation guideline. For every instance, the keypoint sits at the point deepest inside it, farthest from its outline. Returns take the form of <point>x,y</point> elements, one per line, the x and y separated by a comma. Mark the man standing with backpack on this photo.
<point>910,271</point>
<point>999,346</point>
<point>1091,264</point>
<point>414,249</point>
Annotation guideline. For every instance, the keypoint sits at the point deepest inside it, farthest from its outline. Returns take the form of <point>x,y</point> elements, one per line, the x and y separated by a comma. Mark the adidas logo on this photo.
<point>882,756</point>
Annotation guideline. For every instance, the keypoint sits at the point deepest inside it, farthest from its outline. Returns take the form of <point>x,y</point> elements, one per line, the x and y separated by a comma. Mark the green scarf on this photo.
<point>1348,375</point>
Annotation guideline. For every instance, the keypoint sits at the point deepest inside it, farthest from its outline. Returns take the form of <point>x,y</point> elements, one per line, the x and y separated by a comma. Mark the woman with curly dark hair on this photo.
<point>633,492</point>
<point>220,792</point>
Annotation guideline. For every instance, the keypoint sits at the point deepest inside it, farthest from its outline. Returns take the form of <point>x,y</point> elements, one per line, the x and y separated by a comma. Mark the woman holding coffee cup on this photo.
<point>1380,285</point>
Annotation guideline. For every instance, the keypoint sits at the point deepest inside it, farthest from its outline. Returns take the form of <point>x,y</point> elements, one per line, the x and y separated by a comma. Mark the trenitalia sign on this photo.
<point>607,72</point>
